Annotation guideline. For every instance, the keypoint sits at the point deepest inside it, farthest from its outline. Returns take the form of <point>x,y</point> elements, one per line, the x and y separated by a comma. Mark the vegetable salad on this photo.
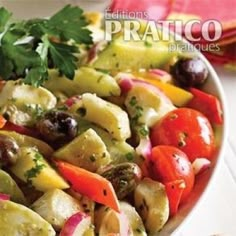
<point>97,138</point>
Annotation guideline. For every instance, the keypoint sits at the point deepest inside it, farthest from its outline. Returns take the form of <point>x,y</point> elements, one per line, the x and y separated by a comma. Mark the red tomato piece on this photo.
<point>169,164</point>
<point>187,129</point>
<point>174,191</point>
<point>208,104</point>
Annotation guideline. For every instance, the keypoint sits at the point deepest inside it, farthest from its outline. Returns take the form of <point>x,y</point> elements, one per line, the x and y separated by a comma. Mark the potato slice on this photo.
<point>108,221</point>
<point>87,151</point>
<point>146,104</point>
<point>24,103</point>
<point>152,204</point>
<point>56,206</point>
<point>105,114</point>
<point>20,220</point>
<point>32,167</point>
<point>136,224</point>
<point>86,80</point>
<point>121,55</point>
<point>120,151</point>
<point>9,186</point>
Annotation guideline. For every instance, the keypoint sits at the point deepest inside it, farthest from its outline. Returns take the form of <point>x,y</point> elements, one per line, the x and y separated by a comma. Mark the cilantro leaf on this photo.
<point>22,58</point>
<point>4,17</point>
<point>63,58</point>
<point>49,40</point>
<point>6,66</point>
<point>36,76</point>
<point>69,23</point>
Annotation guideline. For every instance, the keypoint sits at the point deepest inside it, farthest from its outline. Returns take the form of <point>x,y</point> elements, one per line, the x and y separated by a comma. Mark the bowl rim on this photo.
<point>225,126</point>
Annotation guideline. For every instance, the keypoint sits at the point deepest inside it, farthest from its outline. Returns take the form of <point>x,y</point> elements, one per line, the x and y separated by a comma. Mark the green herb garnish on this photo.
<point>36,170</point>
<point>143,131</point>
<point>129,156</point>
<point>28,47</point>
<point>147,44</point>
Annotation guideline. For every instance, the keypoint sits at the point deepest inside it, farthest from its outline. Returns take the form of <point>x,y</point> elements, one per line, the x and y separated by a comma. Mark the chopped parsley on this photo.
<point>36,170</point>
<point>133,101</point>
<point>148,44</point>
<point>28,47</point>
<point>143,131</point>
<point>138,113</point>
<point>129,156</point>
<point>36,111</point>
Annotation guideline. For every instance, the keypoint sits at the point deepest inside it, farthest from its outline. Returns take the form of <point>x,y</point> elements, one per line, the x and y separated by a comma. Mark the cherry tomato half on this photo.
<point>187,129</point>
<point>169,164</point>
<point>174,191</point>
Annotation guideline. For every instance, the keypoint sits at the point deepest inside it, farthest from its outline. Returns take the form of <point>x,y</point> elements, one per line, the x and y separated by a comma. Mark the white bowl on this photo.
<point>43,8</point>
<point>203,183</point>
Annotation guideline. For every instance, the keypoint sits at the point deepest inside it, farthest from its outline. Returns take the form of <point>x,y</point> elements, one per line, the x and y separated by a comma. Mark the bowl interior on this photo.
<point>203,181</point>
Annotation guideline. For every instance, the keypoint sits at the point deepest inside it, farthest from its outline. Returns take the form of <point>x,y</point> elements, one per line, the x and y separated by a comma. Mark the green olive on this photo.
<point>124,178</point>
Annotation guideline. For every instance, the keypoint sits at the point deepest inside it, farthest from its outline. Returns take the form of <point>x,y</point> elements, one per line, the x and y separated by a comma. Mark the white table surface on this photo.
<point>216,214</point>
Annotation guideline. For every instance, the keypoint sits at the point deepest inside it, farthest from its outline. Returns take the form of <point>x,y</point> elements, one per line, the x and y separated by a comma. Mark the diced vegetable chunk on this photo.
<point>86,80</point>
<point>32,168</point>
<point>105,114</point>
<point>20,220</point>
<point>56,206</point>
<point>9,186</point>
<point>87,151</point>
<point>152,204</point>
<point>108,221</point>
<point>146,104</point>
<point>135,222</point>
<point>120,151</point>
<point>123,55</point>
<point>23,103</point>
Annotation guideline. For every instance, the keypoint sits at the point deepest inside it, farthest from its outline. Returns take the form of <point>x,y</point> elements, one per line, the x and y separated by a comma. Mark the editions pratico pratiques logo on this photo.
<point>211,30</point>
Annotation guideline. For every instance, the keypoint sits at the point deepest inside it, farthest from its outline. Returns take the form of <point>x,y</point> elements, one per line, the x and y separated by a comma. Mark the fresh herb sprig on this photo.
<point>28,47</point>
<point>36,169</point>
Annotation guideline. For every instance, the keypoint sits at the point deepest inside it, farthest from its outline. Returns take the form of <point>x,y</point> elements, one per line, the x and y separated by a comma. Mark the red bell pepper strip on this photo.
<point>207,104</point>
<point>21,129</point>
<point>89,184</point>
<point>174,191</point>
<point>2,121</point>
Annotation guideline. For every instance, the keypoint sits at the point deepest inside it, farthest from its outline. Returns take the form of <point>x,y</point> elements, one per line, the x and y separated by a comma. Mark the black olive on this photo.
<point>57,127</point>
<point>8,150</point>
<point>124,178</point>
<point>190,72</point>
